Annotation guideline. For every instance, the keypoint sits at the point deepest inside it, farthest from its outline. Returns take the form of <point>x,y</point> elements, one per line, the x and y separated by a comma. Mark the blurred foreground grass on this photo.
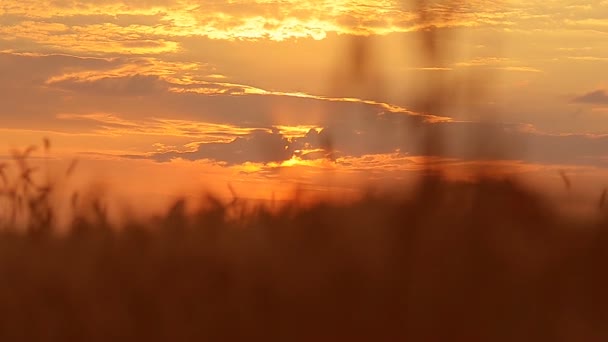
<point>488,261</point>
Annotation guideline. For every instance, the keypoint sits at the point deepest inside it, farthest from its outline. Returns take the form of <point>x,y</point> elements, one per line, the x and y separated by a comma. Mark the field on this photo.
<point>478,261</point>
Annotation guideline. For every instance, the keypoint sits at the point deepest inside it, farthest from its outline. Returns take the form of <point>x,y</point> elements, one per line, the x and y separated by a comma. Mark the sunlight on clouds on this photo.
<point>297,161</point>
<point>105,119</point>
<point>113,125</point>
<point>296,131</point>
<point>385,168</point>
<point>101,38</point>
<point>152,27</point>
<point>175,72</point>
<point>260,27</point>
<point>239,89</point>
<point>497,63</point>
<point>95,26</point>
<point>162,67</point>
<point>249,167</point>
<point>179,127</point>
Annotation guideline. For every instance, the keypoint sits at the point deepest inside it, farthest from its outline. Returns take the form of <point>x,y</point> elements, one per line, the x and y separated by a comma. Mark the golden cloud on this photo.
<point>114,125</point>
<point>140,27</point>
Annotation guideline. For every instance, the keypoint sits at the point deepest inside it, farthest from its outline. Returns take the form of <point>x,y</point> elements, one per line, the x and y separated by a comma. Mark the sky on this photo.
<point>157,97</point>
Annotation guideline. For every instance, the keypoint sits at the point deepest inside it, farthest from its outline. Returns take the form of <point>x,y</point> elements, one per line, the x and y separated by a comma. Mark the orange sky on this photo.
<point>153,96</point>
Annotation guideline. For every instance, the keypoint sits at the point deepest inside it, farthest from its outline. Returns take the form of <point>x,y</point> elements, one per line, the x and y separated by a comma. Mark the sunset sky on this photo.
<point>160,96</point>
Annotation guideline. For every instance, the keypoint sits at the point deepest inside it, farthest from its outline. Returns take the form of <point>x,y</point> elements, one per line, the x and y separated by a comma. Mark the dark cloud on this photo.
<point>259,146</point>
<point>35,69</point>
<point>594,97</point>
<point>468,141</point>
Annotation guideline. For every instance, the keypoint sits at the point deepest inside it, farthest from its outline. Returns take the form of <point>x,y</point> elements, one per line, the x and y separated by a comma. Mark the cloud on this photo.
<point>137,85</point>
<point>159,101</point>
<point>465,141</point>
<point>81,20</point>
<point>259,147</point>
<point>594,97</point>
<point>40,67</point>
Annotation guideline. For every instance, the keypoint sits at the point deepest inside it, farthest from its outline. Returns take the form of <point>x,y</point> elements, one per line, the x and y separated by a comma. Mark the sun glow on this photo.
<point>296,131</point>
<point>294,161</point>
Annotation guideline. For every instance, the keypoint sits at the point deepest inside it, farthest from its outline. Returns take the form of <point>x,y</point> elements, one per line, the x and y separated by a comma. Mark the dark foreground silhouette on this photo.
<point>453,262</point>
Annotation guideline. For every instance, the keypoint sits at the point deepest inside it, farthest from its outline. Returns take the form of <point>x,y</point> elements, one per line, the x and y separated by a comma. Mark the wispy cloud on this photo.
<point>114,125</point>
<point>589,58</point>
<point>498,63</point>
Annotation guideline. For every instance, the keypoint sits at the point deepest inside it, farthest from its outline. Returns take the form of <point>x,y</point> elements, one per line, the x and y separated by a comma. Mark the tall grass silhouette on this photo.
<point>482,261</point>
